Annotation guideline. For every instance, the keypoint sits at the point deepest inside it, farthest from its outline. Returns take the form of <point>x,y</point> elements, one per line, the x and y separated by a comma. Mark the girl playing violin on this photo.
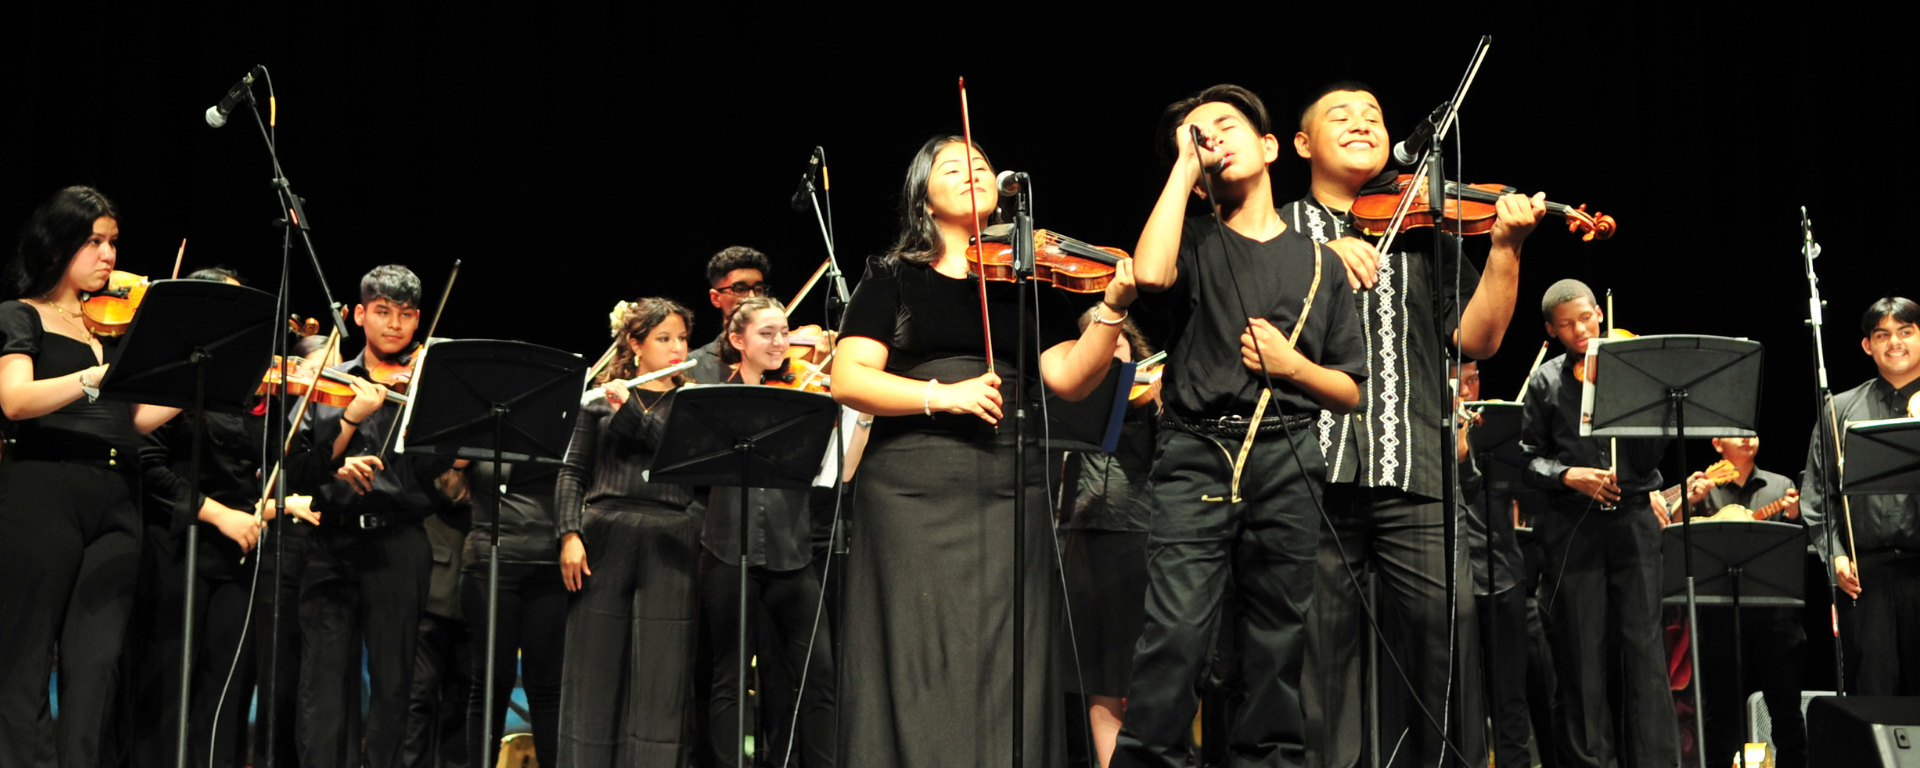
<point>627,552</point>
<point>780,576</point>
<point>929,613</point>
<point>69,489</point>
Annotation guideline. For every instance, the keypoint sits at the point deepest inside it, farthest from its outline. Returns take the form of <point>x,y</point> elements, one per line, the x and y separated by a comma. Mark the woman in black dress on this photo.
<point>69,489</point>
<point>929,648</point>
<point>627,550</point>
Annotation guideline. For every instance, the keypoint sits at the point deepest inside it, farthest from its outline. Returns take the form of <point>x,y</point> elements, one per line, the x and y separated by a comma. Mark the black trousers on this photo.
<point>437,711</point>
<point>532,638</point>
<point>154,659</point>
<point>1600,593</point>
<point>1504,638</point>
<point>68,559</point>
<point>1201,538</point>
<point>1771,642</point>
<point>278,681</point>
<point>1396,542</point>
<point>1882,629</point>
<point>791,601</point>
<point>627,677</point>
<point>373,582</point>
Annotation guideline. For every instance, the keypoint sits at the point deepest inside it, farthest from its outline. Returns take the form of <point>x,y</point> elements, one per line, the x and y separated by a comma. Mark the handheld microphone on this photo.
<point>803,196</point>
<point>1212,169</point>
<point>1011,182</point>
<point>217,114</point>
<point>1407,152</point>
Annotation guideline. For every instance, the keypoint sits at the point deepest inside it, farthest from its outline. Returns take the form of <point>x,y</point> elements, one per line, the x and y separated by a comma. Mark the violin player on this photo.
<point>368,563</point>
<point>1386,460</point>
<point>1875,555</point>
<point>70,495</point>
<point>1600,588</point>
<point>782,584</point>
<point>1263,337</point>
<point>928,614</point>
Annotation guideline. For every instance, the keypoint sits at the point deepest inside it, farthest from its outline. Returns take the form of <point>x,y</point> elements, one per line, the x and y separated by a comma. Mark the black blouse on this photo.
<point>931,326</point>
<point>608,458</point>
<point>80,428</point>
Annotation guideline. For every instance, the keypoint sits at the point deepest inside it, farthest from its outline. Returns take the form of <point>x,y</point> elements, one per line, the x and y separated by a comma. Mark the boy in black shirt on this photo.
<point>1254,304</point>
<point>1600,590</point>
<point>368,563</point>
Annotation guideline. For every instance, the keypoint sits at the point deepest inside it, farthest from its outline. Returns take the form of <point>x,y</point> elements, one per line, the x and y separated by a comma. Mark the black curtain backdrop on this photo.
<point>575,155</point>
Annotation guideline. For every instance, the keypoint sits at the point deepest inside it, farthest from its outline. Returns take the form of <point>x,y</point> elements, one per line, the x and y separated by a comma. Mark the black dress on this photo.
<point>929,603</point>
<point>70,507</point>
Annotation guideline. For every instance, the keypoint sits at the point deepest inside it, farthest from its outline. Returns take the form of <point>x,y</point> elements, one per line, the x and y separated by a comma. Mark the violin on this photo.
<point>1062,261</point>
<point>1469,210</point>
<point>798,374</point>
<point>329,387</point>
<point>1580,370</point>
<point>109,311</point>
<point>395,375</point>
<point>1146,376</point>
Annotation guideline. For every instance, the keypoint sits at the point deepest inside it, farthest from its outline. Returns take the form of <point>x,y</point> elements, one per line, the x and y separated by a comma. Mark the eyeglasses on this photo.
<point>747,289</point>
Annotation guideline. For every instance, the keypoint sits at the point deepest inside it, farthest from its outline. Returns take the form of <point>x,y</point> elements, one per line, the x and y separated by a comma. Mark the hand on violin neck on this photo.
<point>367,398</point>
<point>1121,290</point>
<point>1360,258</point>
<point>1515,217</point>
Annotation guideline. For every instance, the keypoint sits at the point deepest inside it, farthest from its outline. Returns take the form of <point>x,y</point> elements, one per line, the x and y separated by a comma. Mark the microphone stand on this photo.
<point>295,218</point>
<point>1823,414</point>
<point>1433,165</point>
<point>835,314</point>
<point>1023,260</point>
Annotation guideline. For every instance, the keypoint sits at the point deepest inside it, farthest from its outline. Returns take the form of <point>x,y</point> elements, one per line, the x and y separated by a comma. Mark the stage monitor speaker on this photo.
<point>1863,731</point>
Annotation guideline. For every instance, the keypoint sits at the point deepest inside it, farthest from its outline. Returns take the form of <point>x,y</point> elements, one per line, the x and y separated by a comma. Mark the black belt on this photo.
<point>1237,426</point>
<point>91,454</point>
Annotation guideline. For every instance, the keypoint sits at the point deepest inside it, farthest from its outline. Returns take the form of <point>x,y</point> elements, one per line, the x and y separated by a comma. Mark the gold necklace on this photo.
<point>641,397</point>
<point>71,318</point>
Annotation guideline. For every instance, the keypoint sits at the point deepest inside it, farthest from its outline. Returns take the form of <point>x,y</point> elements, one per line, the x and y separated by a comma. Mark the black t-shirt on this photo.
<point>1205,377</point>
<point>930,324</point>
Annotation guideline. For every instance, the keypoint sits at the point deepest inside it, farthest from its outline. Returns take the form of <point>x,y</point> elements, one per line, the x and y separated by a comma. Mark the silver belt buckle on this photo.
<point>372,520</point>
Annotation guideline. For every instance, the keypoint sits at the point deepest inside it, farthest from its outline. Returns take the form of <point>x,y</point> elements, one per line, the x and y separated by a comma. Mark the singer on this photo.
<point>1261,340</point>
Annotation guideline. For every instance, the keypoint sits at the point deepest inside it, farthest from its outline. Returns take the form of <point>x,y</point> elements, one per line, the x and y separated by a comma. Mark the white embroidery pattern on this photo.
<point>1388,372</point>
<point>1318,224</point>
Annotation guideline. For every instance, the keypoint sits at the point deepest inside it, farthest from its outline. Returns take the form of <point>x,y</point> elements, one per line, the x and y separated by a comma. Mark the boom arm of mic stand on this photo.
<point>290,203</point>
<point>833,269</point>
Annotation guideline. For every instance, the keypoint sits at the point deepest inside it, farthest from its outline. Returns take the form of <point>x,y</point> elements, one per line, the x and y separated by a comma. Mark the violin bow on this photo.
<point>178,257</point>
<point>1439,135</point>
<point>299,414</point>
<point>386,441</point>
<point>973,200</point>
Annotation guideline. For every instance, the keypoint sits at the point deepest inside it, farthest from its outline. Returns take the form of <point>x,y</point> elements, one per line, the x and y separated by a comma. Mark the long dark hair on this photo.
<point>919,241</point>
<point>737,323</point>
<point>639,319</point>
<point>56,231</point>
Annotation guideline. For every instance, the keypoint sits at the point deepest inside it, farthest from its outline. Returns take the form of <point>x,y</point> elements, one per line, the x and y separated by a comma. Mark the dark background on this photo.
<point>574,156</point>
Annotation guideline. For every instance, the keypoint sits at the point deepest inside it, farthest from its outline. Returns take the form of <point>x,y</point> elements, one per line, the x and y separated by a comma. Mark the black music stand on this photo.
<point>1881,457</point>
<point>199,345</point>
<point>1750,563</point>
<point>1653,386</point>
<point>744,436</point>
<point>498,401</point>
<point>1495,442</point>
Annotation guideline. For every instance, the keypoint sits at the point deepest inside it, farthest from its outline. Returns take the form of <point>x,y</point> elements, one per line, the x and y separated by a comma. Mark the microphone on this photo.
<point>804,195</point>
<point>1407,152</point>
<point>217,114</point>
<point>1011,182</point>
<point>1198,141</point>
